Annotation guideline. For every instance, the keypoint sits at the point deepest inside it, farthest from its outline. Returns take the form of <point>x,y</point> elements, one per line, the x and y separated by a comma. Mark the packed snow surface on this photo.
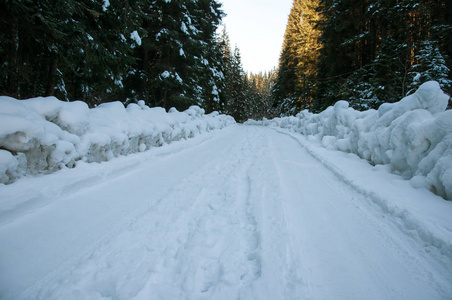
<point>42,135</point>
<point>413,137</point>
<point>246,212</point>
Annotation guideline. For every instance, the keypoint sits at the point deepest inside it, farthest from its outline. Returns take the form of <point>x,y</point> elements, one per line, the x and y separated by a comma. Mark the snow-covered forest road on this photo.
<point>247,212</point>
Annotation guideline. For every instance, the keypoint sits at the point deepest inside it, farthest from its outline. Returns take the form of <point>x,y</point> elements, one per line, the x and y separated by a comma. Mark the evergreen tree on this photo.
<point>260,95</point>
<point>210,68</point>
<point>178,61</point>
<point>224,46</point>
<point>164,52</point>
<point>34,37</point>
<point>73,49</point>
<point>104,52</point>
<point>293,90</point>
<point>430,66</point>
<point>371,48</point>
<point>237,104</point>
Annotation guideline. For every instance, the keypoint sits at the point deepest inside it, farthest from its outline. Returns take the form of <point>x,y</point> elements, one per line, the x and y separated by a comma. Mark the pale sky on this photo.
<point>257,27</point>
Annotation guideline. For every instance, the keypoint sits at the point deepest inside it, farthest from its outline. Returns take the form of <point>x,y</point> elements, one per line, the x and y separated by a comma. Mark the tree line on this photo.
<point>249,96</point>
<point>366,52</point>
<point>163,52</point>
<point>170,54</point>
<point>167,53</point>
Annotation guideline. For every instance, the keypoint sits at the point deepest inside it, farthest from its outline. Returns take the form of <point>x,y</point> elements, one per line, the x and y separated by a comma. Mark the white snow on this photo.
<point>165,74</point>
<point>243,213</point>
<point>413,137</point>
<point>43,135</point>
<point>105,5</point>
<point>183,27</point>
<point>136,37</point>
<point>246,212</point>
<point>178,78</point>
<point>164,31</point>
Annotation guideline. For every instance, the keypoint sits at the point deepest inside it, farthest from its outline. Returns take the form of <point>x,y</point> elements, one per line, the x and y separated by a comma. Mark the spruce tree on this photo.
<point>371,47</point>
<point>260,95</point>
<point>164,52</point>
<point>237,105</point>
<point>178,60</point>
<point>297,65</point>
<point>430,65</point>
<point>224,46</point>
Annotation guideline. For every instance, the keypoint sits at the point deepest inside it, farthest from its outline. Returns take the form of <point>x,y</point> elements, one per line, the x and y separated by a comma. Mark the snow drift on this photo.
<point>42,135</point>
<point>412,136</point>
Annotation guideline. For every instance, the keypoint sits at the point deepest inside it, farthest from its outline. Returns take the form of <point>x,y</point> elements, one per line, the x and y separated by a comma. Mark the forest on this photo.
<point>170,53</point>
<point>365,52</point>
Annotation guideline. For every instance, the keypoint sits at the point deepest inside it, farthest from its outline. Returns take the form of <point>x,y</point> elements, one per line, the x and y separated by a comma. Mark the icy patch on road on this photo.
<point>42,135</point>
<point>413,136</point>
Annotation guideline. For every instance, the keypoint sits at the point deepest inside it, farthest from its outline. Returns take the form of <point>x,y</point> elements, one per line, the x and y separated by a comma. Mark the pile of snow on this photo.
<point>412,136</point>
<point>42,135</point>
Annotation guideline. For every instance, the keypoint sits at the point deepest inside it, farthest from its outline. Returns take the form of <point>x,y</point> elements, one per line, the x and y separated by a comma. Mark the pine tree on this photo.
<point>210,73</point>
<point>430,66</point>
<point>104,52</point>
<point>178,61</point>
<point>73,49</point>
<point>224,46</point>
<point>34,37</point>
<point>164,52</point>
<point>298,58</point>
<point>260,95</point>
<point>237,105</point>
<point>370,48</point>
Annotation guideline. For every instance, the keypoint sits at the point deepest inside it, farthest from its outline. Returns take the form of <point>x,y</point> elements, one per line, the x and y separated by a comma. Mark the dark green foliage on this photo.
<point>430,65</point>
<point>164,52</point>
<point>294,86</point>
<point>260,95</point>
<point>286,93</point>
<point>371,52</point>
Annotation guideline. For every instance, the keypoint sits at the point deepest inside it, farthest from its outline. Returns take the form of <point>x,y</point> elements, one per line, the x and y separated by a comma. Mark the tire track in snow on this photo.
<point>197,242</point>
<point>33,200</point>
<point>419,266</point>
<point>81,248</point>
<point>297,283</point>
<point>401,218</point>
<point>243,223</point>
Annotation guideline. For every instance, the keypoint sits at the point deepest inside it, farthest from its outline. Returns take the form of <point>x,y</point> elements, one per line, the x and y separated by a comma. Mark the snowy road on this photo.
<point>242,213</point>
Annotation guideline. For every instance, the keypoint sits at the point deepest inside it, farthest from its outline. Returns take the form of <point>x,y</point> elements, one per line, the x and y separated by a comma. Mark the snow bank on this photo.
<point>42,135</point>
<point>412,136</point>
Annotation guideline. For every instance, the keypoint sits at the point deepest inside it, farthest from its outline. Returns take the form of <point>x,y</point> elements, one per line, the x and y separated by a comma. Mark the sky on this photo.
<point>257,28</point>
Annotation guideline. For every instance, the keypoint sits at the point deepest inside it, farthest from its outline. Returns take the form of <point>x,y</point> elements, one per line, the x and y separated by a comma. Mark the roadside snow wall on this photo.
<point>412,136</point>
<point>42,135</point>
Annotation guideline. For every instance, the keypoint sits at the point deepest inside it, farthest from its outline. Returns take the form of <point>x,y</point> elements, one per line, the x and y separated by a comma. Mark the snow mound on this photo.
<point>42,135</point>
<point>412,136</point>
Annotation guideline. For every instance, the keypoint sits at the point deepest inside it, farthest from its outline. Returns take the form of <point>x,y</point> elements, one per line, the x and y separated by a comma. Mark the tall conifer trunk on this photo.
<point>13,76</point>
<point>50,87</point>
<point>449,38</point>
